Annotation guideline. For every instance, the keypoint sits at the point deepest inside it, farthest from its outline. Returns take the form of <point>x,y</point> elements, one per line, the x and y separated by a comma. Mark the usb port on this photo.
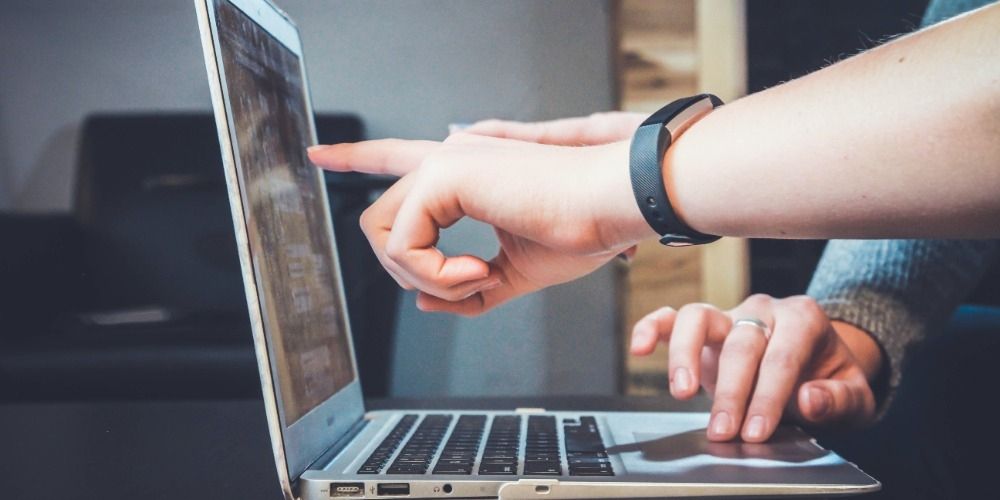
<point>347,489</point>
<point>393,489</point>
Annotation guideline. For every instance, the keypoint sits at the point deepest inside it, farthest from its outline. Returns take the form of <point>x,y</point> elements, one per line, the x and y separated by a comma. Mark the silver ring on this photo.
<point>766,330</point>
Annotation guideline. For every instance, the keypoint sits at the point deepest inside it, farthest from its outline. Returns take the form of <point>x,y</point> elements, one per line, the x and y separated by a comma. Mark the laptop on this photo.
<point>325,444</point>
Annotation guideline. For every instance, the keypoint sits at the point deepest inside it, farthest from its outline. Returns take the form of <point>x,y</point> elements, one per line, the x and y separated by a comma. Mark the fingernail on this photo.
<point>755,427</point>
<point>682,380</point>
<point>721,423</point>
<point>318,147</point>
<point>819,401</point>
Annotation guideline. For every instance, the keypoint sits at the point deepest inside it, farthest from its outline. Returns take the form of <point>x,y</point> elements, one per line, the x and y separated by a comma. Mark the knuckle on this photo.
<point>697,309</point>
<point>758,300</point>
<point>664,310</point>
<point>743,345</point>
<point>697,313</point>
<point>806,306</point>
<point>647,321</point>
<point>768,400</point>
<point>365,220</point>
<point>806,314</point>
<point>394,250</point>
<point>767,404</point>
<point>786,362</point>
<point>726,399</point>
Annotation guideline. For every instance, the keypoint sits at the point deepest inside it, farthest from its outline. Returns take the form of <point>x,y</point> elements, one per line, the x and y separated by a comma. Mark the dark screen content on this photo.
<point>286,220</point>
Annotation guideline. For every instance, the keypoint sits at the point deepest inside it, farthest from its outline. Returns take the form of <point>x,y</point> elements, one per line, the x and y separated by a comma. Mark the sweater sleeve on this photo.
<point>899,291</point>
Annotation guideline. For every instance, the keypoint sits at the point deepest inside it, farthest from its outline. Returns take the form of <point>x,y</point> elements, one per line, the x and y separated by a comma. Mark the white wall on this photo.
<point>408,68</point>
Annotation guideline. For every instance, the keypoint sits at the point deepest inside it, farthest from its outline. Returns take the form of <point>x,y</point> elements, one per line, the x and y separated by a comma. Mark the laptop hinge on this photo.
<point>339,445</point>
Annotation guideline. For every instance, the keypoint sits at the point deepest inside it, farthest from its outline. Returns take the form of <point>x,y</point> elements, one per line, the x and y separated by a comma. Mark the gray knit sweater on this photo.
<point>901,291</point>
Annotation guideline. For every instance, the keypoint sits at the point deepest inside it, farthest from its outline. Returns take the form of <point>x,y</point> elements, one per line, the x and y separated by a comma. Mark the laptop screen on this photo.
<point>287,217</point>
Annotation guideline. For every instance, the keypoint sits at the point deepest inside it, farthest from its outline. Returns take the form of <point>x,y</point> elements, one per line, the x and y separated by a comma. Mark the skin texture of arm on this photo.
<point>900,141</point>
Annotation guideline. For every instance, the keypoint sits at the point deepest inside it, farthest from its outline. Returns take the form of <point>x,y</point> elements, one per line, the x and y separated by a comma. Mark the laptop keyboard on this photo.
<point>459,453</point>
<point>388,446</point>
<point>500,454</point>
<point>503,446</point>
<point>419,451</point>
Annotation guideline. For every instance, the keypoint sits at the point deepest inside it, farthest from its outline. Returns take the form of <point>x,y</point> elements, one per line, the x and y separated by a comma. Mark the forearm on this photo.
<point>901,141</point>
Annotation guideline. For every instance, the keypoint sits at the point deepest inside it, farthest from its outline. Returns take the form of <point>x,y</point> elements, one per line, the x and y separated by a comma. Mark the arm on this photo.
<point>889,143</point>
<point>900,141</point>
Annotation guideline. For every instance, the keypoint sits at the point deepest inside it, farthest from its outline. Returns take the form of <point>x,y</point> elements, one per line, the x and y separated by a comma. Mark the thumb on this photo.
<point>847,400</point>
<point>509,286</point>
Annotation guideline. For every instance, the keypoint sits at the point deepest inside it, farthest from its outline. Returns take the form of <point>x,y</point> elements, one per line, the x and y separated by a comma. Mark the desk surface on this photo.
<point>184,449</point>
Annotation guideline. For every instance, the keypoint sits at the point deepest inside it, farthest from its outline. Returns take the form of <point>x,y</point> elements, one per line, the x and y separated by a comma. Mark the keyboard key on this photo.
<point>417,453</point>
<point>388,446</point>
<point>498,469</point>
<point>542,468</point>
<point>500,453</point>
<point>459,453</point>
<point>453,469</point>
<point>542,456</point>
<point>585,451</point>
<point>406,469</point>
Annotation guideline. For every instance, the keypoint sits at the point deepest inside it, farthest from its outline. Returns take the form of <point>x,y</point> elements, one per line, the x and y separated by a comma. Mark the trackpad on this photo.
<point>691,454</point>
<point>786,446</point>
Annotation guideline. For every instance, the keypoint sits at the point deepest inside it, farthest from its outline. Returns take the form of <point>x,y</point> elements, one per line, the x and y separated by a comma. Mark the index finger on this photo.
<point>384,156</point>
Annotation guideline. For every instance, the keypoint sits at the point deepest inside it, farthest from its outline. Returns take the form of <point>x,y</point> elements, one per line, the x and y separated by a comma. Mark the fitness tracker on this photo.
<point>649,144</point>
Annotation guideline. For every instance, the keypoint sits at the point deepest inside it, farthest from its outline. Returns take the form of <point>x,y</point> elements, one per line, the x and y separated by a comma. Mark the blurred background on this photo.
<point>118,275</point>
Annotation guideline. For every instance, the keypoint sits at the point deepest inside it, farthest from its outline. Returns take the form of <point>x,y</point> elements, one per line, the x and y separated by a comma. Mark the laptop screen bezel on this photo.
<point>298,445</point>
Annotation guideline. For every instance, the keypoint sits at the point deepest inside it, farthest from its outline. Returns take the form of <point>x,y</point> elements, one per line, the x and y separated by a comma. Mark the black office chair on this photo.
<point>138,294</point>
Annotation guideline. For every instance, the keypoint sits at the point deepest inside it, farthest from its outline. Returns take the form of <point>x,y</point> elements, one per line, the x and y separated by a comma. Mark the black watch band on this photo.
<point>649,144</point>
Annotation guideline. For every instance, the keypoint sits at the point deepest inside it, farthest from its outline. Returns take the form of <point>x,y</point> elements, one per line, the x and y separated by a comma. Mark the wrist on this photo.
<point>684,174</point>
<point>619,221</point>
<point>863,347</point>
